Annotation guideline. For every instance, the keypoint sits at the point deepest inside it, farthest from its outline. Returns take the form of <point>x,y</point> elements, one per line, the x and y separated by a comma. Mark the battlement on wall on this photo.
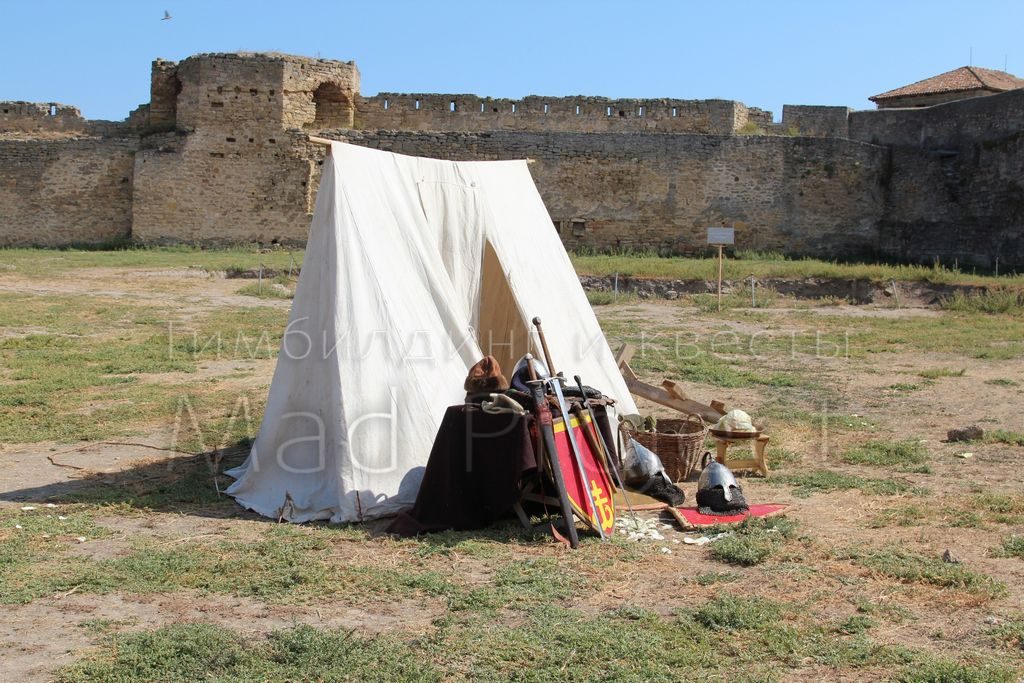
<point>467,112</point>
<point>37,117</point>
<point>246,92</point>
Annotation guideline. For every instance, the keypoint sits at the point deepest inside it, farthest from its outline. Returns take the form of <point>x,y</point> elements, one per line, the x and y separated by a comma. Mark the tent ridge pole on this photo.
<point>320,141</point>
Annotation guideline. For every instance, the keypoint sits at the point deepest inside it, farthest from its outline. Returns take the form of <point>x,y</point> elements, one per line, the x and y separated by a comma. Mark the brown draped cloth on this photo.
<point>474,472</point>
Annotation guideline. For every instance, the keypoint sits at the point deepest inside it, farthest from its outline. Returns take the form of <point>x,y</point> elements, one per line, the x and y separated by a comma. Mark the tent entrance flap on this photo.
<point>502,331</point>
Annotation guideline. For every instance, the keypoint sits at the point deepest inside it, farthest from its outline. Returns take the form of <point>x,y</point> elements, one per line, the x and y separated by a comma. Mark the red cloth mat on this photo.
<point>689,518</point>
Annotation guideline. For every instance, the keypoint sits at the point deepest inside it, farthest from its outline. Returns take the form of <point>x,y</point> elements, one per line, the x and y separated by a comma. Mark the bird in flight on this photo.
<point>167,15</point>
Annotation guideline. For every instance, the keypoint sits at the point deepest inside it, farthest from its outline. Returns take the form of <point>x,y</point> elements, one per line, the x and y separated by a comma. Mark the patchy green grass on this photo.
<point>1002,382</point>
<point>933,571</point>
<point>726,366</point>
<point>728,612</point>
<point>964,519</point>
<point>277,287</point>
<point>904,515</point>
<point>887,610</point>
<point>936,373</point>
<point>767,265</point>
<point>46,263</point>
<point>855,624</point>
<point>1010,438</point>
<point>887,453</point>
<point>1012,546</point>
<point>753,541</point>
<point>286,562</point>
<point>825,481</point>
<point>193,652</point>
<point>780,458</point>
<point>88,368</point>
<point>1010,634</point>
<point>629,644</point>
<point>1001,508</point>
<point>904,386</point>
<point>973,335</point>
<point>931,670</point>
<point>712,578</point>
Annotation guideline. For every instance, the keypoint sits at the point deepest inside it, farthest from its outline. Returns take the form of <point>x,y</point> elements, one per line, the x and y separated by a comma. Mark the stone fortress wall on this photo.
<point>395,111</point>
<point>220,155</point>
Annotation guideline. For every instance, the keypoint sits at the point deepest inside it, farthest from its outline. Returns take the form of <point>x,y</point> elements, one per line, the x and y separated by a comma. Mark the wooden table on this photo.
<point>756,463</point>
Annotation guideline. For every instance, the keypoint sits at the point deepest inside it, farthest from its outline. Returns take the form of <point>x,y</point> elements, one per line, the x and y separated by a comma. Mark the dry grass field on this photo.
<point>121,372</point>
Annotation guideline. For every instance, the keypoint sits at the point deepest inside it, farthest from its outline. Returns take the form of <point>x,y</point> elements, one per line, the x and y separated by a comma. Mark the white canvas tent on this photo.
<point>414,270</point>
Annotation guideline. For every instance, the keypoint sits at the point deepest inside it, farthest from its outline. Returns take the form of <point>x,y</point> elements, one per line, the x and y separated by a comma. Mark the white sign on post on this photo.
<point>722,236</point>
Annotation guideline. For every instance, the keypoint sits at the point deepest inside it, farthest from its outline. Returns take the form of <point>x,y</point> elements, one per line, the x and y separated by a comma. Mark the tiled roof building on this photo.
<point>958,84</point>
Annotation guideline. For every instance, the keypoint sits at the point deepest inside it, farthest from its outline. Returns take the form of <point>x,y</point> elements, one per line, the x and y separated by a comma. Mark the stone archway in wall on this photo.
<point>332,107</point>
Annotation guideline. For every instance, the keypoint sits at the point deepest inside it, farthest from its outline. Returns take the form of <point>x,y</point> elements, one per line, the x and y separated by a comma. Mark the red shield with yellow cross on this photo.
<point>594,476</point>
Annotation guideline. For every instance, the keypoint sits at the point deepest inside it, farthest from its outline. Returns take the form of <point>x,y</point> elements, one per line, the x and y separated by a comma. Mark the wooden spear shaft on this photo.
<point>544,346</point>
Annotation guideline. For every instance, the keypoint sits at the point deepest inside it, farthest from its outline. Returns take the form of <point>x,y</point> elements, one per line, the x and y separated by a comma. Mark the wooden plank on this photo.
<point>662,397</point>
<point>674,390</point>
<point>627,371</point>
<point>624,355</point>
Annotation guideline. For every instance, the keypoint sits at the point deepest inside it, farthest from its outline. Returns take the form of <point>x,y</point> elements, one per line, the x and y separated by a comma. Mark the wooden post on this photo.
<point>720,277</point>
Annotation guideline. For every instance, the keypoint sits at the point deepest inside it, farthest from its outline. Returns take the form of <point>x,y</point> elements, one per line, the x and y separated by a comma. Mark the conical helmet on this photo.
<point>718,476</point>
<point>640,464</point>
<point>521,373</point>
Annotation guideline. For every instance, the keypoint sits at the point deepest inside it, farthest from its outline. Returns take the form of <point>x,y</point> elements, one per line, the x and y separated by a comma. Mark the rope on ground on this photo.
<point>87,446</point>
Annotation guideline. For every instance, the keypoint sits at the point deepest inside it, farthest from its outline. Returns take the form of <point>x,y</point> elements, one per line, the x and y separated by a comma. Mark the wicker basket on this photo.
<point>678,442</point>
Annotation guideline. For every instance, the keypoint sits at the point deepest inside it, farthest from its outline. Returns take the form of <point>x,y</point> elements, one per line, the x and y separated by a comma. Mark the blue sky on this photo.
<point>96,55</point>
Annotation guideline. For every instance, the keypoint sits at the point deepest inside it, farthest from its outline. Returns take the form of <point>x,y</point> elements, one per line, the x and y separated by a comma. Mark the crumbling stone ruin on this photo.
<point>220,155</point>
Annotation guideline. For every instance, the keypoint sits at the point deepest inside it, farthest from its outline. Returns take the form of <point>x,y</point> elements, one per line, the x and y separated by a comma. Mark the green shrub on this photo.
<point>988,301</point>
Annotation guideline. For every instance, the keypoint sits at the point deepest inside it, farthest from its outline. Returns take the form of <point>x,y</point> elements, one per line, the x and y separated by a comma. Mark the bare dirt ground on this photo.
<point>843,400</point>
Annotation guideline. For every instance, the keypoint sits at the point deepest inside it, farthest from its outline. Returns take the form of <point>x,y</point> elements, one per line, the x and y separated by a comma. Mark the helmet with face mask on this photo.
<point>718,492</point>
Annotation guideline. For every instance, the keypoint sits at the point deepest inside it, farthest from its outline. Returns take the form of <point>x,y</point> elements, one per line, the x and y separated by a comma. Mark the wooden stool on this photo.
<point>757,463</point>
